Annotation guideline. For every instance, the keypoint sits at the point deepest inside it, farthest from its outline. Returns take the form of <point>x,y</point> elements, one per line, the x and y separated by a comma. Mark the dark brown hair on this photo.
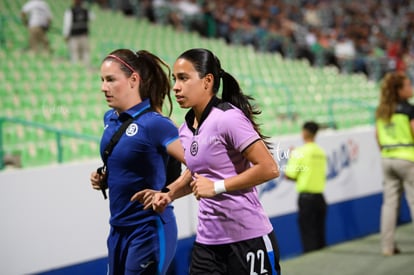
<point>155,82</point>
<point>205,62</point>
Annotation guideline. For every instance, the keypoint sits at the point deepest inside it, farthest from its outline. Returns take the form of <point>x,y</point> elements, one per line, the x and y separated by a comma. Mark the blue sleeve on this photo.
<point>163,131</point>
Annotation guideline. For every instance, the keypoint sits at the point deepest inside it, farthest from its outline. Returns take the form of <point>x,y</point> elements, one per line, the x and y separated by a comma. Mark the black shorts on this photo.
<point>255,256</point>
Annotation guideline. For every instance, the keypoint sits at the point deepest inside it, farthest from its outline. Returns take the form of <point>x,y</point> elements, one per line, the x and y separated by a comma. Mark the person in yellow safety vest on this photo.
<point>307,166</point>
<point>395,137</point>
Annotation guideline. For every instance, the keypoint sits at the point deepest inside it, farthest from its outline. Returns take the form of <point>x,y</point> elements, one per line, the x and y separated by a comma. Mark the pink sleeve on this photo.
<point>237,130</point>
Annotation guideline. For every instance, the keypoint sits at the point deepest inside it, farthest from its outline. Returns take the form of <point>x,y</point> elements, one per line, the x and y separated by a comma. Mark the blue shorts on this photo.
<point>145,249</point>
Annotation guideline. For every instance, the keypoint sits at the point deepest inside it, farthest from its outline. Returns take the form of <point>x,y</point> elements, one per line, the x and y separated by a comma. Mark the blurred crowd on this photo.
<point>370,36</point>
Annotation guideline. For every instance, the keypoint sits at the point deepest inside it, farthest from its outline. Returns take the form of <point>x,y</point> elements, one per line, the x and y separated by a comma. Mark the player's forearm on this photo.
<point>255,175</point>
<point>180,187</point>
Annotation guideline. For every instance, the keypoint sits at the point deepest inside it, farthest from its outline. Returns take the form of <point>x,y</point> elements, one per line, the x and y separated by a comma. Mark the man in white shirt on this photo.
<point>37,16</point>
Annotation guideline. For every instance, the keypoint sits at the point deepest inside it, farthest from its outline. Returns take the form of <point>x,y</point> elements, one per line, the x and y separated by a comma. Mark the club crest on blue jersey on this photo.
<point>194,148</point>
<point>132,130</point>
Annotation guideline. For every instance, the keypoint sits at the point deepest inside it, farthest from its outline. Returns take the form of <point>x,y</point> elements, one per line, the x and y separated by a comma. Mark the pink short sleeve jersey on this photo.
<point>214,150</point>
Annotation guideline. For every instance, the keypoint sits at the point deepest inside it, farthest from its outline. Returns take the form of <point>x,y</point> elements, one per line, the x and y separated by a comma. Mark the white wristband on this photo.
<point>219,187</point>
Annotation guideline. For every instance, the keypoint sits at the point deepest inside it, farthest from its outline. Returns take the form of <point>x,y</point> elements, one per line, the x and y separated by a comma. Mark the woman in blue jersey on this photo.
<point>227,157</point>
<point>135,85</point>
<point>395,136</point>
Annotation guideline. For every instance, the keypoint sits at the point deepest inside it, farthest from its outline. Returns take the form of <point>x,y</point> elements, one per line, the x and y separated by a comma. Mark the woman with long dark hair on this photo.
<point>227,156</point>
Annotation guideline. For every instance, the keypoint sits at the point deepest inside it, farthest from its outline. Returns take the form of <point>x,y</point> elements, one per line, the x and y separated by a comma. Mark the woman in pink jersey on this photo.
<point>227,157</point>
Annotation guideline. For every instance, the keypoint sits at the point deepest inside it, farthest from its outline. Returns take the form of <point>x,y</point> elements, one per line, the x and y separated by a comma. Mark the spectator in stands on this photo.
<point>395,136</point>
<point>206,25</point>
<point>36,15</point>
<point>186,15</point>
<point>148,10</point>
<point>307,166</point>
<point>135,86</point>
<point>189,11</point>
<point>345,53</point>
<point>76,32</point>
<point>222,21</point>
<point>126,6</point>
<point>311,14</point>
<point>234,234</point>
<point>289,23</point>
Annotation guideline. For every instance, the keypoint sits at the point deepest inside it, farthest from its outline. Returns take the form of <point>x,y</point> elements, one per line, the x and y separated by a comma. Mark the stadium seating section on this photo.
<point>52,91</point>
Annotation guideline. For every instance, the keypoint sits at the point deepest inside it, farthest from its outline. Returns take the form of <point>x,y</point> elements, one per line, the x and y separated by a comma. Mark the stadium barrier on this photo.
<point>56,224</point>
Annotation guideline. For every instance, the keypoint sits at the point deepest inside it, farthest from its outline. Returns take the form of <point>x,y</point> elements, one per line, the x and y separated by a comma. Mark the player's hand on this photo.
<point>160,202</point>
<point>202,187</point>
<point>95,179</point>
<point>145,197</point>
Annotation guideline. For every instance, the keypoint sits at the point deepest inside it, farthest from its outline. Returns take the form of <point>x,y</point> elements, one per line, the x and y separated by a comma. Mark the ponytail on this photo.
<point>154,73</point>
<point>233,94</point>
<point>156,83</point>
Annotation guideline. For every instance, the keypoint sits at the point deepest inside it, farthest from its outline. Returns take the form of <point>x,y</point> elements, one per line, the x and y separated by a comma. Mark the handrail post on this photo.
<point>289,97</point>
<point>331,115</point>
<point>59,146</point>
<point>290,112</point>
<point>2,32</point>
<point>1,144</point>
<point>290,103</point>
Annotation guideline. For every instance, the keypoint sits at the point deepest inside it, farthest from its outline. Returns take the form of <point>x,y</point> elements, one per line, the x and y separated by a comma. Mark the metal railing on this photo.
<point>59,135</point>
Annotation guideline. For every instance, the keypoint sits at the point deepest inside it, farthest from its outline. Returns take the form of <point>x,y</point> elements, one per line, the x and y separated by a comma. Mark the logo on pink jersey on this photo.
<point>194,148</point>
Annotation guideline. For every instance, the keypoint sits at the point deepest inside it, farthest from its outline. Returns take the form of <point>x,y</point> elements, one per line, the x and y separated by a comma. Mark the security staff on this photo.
<point>395,136</point>
<point>307,166</point>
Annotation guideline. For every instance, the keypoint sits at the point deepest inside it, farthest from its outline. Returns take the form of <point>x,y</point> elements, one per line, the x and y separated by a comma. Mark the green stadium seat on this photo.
<point>53,91</point>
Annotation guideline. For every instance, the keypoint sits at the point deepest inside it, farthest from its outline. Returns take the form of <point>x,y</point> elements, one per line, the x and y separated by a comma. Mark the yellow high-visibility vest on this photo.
<point>307,165</point>
<point>395,137</point>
